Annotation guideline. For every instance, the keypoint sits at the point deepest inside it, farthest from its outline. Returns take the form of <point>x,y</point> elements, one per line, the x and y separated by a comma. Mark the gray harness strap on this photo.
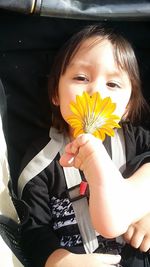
<point>73,178</point>
<point>41,160</point>
<point>81,210</point>
<point>118,150</point>
<point>119,159</point>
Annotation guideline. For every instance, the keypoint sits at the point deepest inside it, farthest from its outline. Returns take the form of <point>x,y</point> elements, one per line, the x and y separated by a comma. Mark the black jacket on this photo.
<point>51,223</point>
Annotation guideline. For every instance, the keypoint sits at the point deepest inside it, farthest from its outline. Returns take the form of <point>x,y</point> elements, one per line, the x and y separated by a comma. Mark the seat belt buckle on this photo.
<point>83,188</point>
<point>77,192</point>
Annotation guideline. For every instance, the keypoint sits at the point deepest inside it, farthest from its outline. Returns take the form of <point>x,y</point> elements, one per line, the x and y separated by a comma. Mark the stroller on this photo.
<point>31,32</point>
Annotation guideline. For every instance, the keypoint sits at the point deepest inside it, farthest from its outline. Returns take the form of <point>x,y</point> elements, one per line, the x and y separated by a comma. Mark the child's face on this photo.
<point>92,69</point>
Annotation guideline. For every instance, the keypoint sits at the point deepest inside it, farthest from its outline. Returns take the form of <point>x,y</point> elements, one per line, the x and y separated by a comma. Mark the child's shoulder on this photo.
<point>35,147</point>
<point>138,134</point>
<point>136,129</point>
<point>39,148</point>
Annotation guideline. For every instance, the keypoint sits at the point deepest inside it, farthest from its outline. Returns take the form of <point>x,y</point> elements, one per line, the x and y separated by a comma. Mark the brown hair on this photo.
<point>125,58</point>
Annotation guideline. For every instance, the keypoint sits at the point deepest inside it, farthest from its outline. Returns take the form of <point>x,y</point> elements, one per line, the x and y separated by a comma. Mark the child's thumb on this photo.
<point>110,259</point>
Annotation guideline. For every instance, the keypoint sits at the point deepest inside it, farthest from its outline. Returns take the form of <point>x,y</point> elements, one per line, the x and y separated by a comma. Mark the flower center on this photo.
<point>92,124</point>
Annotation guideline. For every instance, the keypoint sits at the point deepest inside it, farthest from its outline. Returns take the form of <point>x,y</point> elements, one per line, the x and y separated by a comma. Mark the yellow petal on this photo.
<point>94,115</point>
<point>78,131</point>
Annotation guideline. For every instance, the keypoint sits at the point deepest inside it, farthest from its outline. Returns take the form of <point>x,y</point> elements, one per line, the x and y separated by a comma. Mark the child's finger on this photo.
<point>145,245</point>
<point>110,259</point>
<point>80,141</point>
<point>78,149</point>
<point>67,160</point>
<point>72,148</point>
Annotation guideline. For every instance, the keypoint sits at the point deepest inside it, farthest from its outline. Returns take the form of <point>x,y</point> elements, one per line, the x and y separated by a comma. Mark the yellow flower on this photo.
<point>92,114</point>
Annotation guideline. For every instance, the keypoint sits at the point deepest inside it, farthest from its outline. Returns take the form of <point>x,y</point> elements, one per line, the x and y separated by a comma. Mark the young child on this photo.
<point>94,60</point>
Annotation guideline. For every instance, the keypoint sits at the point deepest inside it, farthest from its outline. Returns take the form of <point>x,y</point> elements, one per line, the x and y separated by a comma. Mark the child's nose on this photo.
<point>100,87</point>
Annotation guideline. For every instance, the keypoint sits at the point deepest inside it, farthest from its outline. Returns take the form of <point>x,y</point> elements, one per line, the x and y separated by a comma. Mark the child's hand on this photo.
<point>78,150</point>
<point>64,258</point>
<point>83,153</point>
<point>138,234</point>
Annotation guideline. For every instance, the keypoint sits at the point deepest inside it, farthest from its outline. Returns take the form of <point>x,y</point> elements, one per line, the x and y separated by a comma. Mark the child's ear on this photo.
<point>55,101</point>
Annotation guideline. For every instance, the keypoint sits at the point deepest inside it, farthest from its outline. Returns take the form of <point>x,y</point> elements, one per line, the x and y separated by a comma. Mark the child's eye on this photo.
<point>113,85</point>
<point>81,78</point>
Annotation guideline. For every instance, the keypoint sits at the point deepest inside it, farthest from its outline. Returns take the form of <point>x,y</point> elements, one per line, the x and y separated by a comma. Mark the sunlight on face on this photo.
<point>93,69</point>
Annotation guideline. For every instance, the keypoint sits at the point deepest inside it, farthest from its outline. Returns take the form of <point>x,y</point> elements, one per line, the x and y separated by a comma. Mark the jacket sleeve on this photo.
<point>38,238</point>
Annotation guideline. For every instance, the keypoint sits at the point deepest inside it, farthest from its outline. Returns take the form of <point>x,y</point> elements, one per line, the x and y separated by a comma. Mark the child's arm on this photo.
<point>138,234</point>
<point>115,202</point>
<point>64,258</point>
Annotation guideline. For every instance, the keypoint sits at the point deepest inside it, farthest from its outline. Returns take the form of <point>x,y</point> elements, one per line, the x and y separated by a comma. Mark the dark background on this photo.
<point>27,47</point>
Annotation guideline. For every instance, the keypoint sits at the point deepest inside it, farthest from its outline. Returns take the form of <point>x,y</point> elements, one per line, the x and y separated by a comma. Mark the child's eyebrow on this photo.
<point>116,73</point>
<point>80,64</point>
